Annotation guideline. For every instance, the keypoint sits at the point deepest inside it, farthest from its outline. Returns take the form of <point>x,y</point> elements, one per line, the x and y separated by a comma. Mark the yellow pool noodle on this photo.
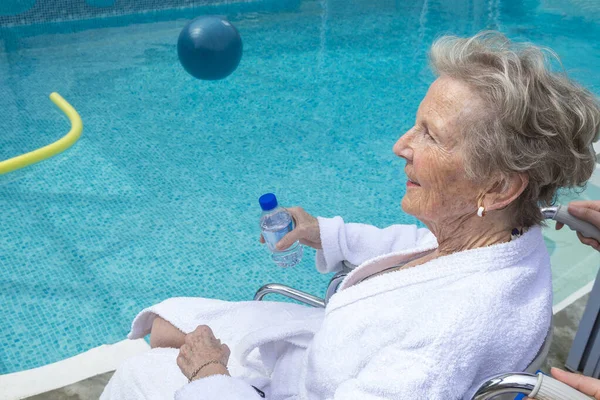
<point>18,162</point>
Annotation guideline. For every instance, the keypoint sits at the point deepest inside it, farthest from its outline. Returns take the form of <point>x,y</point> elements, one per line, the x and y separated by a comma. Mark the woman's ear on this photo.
<point>505,191</point>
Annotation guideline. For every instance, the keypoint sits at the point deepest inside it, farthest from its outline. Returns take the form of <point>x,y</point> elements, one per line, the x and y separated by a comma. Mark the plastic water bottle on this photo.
<point>275,223</point>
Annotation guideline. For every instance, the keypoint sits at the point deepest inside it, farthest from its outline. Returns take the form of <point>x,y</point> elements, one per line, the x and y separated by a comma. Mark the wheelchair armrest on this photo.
<point>347,266</point>
<point>304,297</point>
<point>290,292</point>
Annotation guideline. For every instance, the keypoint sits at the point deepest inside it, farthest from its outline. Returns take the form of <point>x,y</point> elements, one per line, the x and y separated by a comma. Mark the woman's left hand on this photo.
<point>202,347</point>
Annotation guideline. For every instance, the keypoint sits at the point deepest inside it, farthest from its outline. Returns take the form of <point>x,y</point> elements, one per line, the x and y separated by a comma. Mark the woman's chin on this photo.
<point>408,206</point>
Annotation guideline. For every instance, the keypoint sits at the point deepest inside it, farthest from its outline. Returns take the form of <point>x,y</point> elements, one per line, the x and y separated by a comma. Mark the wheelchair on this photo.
<point>500,387</point>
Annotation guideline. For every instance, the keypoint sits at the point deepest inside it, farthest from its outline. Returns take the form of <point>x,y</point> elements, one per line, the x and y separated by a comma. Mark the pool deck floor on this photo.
<point>565,327</point>
<point>87,389</point>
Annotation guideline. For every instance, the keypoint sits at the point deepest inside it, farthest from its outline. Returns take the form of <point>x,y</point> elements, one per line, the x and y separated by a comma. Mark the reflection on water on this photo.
<point>587,9</point>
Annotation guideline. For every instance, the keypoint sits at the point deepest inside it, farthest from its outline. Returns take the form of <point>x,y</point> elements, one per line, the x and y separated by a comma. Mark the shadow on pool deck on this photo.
<point>88,389</point>
<point>565,327</point>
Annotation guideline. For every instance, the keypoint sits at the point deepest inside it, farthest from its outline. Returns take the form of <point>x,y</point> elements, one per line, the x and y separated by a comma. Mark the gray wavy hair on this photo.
<point>536,121</point>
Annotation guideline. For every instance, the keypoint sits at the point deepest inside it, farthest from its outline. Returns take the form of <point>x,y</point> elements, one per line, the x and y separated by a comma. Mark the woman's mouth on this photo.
<point>409,181</point>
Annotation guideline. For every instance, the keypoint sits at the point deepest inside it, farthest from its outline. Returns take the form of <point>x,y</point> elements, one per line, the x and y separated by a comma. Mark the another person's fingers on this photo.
<point>593,204</point>
<point>262,239</point>
<point>584,384</point>
<point>593,243</point>
<point>586,213</point>
<point>559,226</point>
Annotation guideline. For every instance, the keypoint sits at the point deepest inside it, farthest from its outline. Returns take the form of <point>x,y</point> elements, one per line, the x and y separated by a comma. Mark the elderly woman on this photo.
<point>429,313</point>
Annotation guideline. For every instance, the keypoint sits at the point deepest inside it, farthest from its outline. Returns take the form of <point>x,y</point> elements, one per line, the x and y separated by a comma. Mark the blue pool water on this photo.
<point>159,197</point>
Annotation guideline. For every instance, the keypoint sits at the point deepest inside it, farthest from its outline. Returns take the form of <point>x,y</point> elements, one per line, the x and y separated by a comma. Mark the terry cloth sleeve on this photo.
<point>218,387</point>
<point>358,243</point>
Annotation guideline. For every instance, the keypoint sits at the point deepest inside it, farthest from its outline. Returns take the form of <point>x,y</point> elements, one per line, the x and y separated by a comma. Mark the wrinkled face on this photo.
<point>438,190</point>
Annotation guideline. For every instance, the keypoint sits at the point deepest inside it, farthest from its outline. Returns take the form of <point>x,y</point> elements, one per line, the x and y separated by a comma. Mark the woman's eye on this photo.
<point>427,134</point>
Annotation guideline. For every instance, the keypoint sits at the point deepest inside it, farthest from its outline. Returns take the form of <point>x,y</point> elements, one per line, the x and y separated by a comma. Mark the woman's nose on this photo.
<point>402,147</point>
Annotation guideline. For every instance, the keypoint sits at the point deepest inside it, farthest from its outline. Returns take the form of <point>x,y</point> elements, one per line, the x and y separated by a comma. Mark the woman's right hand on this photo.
<point>306,230</point>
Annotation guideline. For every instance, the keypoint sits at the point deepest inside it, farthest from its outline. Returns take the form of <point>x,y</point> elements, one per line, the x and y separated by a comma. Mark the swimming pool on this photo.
<point>159,197</point>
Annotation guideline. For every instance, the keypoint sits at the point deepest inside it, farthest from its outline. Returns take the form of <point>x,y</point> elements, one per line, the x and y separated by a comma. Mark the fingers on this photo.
<point>226,353</point>
<point>306,230</point>
<point>593,243</point>
<point>592,204</point>
<point>589,213</point>
<point>201,347</point>
<point>311,243</point>
<point>289,239</point>
<point>286,241</point>
<point>181,361</point>
<point>300,216</point>
<point>559,226</point>
<point>584,384</point>
<point>202,331</point>
<point>184,360</point>
<point>296,212</point>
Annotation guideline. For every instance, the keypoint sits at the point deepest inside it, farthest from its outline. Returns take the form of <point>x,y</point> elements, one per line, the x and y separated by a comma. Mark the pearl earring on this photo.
<point>481,211</point>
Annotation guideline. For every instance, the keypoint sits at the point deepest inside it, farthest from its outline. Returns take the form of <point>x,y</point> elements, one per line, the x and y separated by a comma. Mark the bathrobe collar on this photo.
<point>481,259</point>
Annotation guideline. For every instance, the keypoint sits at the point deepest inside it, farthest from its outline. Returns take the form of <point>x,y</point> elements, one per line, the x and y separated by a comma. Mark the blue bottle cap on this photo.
<point>267,201</point>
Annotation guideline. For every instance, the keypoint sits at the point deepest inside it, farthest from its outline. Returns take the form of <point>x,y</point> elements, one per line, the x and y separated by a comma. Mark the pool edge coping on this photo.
<point>573,297</point>
<point>62,373</point>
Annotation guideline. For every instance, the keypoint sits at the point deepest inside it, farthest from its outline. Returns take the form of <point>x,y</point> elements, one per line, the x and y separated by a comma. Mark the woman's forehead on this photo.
<point>448,101</point>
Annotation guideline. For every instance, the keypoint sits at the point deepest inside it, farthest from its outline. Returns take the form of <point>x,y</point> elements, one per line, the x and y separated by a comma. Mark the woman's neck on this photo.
<point>469,233</point>
<point>462,234</point>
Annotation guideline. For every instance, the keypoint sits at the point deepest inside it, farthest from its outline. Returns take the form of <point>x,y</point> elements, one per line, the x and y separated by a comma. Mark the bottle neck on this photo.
<point>271,211</point>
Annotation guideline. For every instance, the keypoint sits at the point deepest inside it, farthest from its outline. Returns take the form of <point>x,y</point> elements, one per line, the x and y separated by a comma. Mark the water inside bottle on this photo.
<point>274,227</point>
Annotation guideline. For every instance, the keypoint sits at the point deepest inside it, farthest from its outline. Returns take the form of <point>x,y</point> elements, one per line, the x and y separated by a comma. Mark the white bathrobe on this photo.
<point>434,331</point>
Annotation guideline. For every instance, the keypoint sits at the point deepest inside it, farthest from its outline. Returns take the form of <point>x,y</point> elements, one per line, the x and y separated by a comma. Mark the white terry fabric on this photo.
<point>216,387</point>
<point>358,243</point>
<point>283,329</point>
<point>434,331</point>
<point>153,375</point>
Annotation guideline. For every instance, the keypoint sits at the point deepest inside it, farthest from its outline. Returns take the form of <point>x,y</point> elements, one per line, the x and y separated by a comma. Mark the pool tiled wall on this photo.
<point>25,12</point>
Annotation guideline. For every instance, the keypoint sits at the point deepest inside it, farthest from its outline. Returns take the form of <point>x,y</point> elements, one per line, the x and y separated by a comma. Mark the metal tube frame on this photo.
<point>513,383</point>
<point>289,292</point>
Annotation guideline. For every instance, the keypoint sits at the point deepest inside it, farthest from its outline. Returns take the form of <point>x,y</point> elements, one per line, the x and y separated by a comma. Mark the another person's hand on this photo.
<point>584,384</point>
<point>588,211</point>
<point>203,355</point>
<point>307,230</point>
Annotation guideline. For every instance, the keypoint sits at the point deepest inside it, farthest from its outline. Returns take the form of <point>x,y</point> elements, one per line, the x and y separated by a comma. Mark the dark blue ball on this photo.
<point>209,48</point>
